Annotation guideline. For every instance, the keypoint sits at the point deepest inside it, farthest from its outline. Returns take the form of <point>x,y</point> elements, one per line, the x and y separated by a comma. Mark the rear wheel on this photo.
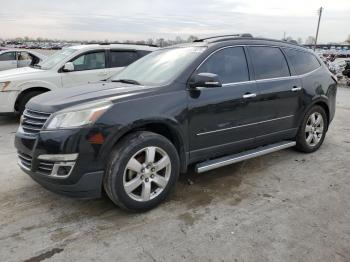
<point>313,130</point>
<point>24,100</point>
<point>141,172</point>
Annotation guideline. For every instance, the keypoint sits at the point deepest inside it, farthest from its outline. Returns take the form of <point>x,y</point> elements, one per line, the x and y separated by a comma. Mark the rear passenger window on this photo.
<point>121,58</point>
<point>302,62</point>
<point>269,62</point>
<point>229,64</point>
<point>9,56</point>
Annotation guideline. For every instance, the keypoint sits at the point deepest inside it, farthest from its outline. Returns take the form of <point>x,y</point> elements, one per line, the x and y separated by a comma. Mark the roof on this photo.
<point>114,46</point>
<point>38,54</point>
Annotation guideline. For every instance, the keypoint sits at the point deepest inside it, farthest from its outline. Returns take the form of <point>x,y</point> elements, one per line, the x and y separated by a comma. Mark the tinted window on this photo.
<point>90,61</point>
<point>269,62</point>
<point>9,56</point>
<point>302,62</point>
<point>121,59</point>
<point>229,64</point>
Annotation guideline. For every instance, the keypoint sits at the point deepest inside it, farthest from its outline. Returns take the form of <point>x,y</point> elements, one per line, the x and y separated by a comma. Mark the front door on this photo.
<point>23,59</point>
<point>88,68</point>
<point>220,119</point>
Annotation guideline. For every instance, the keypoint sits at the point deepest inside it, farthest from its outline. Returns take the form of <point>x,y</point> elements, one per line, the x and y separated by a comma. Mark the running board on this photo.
<point>228,160</point>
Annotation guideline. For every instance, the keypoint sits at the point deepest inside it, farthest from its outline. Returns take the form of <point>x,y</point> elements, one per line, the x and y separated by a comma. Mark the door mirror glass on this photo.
<point>208,80</point>
<point>68,67</point>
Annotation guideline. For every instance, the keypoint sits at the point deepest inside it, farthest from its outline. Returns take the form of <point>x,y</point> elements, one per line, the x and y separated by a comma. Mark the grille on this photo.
<point>33,121</point>
<point>26,160</point>
<point>45,167</point>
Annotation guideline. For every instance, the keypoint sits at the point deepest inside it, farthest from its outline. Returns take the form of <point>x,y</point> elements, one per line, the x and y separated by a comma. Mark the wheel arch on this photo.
<point>167,129</point>
<point>322,102</point>
<point>28,90</point>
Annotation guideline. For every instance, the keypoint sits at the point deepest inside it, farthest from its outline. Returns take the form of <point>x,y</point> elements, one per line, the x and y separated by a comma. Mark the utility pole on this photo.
<point>318,25</point>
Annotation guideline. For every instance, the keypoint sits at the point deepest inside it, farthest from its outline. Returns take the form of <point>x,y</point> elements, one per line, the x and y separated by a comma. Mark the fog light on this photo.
<point>63,170</point>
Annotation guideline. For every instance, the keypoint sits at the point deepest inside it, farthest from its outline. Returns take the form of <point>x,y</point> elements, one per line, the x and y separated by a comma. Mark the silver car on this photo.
<point>10,59</point>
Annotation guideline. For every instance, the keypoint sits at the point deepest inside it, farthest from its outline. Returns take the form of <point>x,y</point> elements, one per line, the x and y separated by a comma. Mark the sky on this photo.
<point>143,19</point>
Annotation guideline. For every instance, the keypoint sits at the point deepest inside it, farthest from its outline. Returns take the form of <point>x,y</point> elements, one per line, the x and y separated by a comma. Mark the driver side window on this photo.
<point>229,64</point>
<point>90,61</point>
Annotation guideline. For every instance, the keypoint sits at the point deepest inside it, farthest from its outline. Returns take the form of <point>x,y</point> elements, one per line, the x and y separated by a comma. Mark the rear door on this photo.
<point>118,59</point>
<point>89,67</point>
<point>8,60</point>
<point>279,93</point>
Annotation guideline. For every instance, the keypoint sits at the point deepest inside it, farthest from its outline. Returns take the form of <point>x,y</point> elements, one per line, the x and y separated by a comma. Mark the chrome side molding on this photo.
<point>228,160</point>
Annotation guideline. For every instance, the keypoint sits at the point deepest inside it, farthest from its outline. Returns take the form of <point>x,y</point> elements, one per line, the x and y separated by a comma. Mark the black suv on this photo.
<point>213,102</point>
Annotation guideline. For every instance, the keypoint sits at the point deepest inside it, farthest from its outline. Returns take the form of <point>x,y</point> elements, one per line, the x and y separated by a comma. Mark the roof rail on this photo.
<point>113,43</point>
<point>223,36</point>
<point>118,43</point>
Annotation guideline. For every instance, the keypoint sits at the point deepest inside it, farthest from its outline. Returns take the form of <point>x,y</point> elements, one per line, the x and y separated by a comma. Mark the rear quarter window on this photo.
<point>302,62</point>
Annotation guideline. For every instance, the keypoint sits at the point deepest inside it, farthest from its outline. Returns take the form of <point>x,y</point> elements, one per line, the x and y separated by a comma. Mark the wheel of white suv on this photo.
<point>313,130</point>
<point>141,172</point>
<point>24,100</point>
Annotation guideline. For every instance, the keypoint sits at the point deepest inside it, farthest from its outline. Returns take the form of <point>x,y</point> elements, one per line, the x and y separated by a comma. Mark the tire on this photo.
<point>123,173</point>
<point>307,140</point>
<point>24,100</point>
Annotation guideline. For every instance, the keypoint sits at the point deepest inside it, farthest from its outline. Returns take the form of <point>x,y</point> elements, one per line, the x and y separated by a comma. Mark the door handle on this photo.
<point>296,88</point>
<point>249,95</point>
<point>103,74</point>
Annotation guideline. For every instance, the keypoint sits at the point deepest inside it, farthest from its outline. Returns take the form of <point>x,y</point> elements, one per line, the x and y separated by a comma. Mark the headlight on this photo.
<point>3,85</point>
<point>77,116</point>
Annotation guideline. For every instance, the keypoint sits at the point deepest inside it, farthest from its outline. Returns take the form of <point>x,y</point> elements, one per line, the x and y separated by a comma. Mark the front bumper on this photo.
<point>84,180</point>
<point>7,101</point>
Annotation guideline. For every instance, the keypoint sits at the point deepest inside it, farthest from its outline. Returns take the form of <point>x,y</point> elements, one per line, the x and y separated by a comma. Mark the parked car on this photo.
<point>10,59</point>
<point>213,102</point>
<point>338,65</point>
<point>71,66</point>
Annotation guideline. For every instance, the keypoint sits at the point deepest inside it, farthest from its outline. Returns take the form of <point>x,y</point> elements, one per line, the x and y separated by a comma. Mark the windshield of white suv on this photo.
<point>57,57</point>
<point>159,67</point>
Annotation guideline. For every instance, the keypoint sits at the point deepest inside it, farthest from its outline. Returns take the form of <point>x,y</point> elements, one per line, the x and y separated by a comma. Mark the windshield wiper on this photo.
<point>127,81</point>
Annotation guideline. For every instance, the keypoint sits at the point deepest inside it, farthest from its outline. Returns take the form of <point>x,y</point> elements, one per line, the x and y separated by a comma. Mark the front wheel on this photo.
<point>25,99</point>
<point>313,130</point>
<point>141,172</point>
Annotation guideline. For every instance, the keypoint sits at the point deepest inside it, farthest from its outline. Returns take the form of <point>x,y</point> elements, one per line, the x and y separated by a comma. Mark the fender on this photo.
<point>36,83</point>
<point>175,128</point>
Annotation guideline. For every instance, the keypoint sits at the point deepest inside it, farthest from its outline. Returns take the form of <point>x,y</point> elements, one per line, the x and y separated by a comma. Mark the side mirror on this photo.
<point>207,80</point>
<point>68,67</point>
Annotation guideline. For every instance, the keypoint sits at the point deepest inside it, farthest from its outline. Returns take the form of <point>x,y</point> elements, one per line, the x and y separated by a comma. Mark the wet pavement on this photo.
<point>286,206</point>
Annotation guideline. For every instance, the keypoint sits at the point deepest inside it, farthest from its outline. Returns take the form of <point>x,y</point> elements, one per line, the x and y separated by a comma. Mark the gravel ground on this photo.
<point>286,206</point>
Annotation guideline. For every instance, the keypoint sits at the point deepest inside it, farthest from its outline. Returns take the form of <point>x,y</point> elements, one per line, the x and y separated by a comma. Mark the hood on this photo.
<point>8,75</point>
<point>54,101</point>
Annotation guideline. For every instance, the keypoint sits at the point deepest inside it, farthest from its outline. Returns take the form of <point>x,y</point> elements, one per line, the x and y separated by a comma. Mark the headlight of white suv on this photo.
<point>3,85</point>
<point>77,116</point>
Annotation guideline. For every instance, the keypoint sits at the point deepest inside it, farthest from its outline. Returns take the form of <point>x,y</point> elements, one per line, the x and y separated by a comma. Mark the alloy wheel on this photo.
<point>314,129</point>
<point>147,173</point>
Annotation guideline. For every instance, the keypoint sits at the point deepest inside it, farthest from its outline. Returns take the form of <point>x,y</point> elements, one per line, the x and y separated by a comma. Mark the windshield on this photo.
<point>57,57</point>
<point>159,67</point>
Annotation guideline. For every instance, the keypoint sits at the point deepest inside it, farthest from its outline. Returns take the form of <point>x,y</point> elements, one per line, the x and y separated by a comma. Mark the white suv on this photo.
<point>68,67</point>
